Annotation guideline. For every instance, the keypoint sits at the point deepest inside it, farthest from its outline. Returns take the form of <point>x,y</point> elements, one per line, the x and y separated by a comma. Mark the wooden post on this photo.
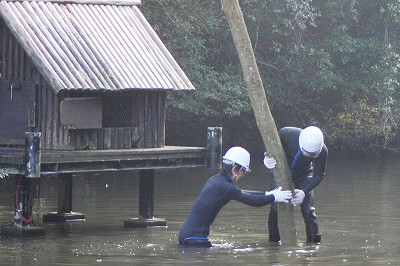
<point>146,202</point>
<point>214,148</point>
<point>146,193</point>
<point>64,195</point>
<point>64,202</point>
<point>264,119</point>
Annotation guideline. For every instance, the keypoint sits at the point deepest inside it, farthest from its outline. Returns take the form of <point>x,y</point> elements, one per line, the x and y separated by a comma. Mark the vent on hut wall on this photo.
<point>81,113</point>
<point>97,112</point>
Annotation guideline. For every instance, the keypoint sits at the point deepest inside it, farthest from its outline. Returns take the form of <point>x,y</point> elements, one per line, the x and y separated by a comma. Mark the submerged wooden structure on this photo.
<point>83,88</point>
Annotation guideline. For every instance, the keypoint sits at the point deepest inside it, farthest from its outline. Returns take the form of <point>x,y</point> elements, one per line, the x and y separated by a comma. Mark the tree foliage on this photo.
<point>330,63</point>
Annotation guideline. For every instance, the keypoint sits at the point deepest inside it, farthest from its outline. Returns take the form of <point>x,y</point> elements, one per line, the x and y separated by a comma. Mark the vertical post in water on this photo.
<point>146,193</point>
<point>64,202</point>
<point>146,202</point>
<point>23,203</point>
<point>32,154</point>
<point>214,148</point>
<point>64,197</point>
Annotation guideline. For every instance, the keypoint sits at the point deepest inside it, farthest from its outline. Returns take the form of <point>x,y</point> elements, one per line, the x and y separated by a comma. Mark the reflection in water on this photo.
<point>357,207</point>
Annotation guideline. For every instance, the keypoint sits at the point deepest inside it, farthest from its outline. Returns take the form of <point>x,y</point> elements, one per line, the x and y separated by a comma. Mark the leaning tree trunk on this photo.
<point>264,119</point>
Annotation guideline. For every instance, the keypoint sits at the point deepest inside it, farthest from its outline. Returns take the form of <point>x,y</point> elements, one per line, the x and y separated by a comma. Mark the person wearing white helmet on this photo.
<point>219,190</point>
<point>307,155</point>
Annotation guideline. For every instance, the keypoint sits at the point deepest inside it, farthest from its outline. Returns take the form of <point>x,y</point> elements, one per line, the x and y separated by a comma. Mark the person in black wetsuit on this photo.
<point>307,155</point>
<point>219,190</point>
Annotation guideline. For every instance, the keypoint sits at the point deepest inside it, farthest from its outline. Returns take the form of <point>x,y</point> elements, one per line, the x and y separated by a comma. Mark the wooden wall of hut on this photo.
<point>17,110</point>
<point>131,118</point>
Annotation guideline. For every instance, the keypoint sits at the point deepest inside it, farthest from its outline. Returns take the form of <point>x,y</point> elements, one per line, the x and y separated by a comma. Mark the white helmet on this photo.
<point>239,156</point>
<point>311,140</point>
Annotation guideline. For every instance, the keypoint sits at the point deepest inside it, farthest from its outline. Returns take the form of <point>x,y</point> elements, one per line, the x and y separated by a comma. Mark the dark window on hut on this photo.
<point>119,111</point>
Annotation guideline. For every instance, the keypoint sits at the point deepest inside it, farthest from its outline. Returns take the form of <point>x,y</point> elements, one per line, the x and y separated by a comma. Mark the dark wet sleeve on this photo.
<point>254,192</point>
<point>253,198</point>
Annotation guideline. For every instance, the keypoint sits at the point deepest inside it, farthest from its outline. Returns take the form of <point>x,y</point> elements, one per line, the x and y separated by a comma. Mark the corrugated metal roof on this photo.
<point>93,46</point>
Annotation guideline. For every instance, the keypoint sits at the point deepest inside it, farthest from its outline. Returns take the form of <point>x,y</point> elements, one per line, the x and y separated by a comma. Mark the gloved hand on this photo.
<point>298,197</point>
<point>269,162</point>
<point>280,195</point>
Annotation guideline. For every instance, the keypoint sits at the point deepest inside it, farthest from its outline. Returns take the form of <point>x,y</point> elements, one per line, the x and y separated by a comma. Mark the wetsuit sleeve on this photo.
<point>252,198</point>
<point>254,192</point>
<point>319,165</point>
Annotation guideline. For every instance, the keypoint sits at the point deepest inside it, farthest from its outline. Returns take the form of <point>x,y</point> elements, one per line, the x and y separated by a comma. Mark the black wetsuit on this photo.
<point>217,191</point>
<point>307,173</point>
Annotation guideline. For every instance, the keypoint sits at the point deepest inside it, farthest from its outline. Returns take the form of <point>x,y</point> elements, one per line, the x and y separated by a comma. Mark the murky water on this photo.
<point>357,206</point>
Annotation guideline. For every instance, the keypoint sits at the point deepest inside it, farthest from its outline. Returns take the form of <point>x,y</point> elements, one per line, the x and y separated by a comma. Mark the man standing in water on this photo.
<point>219,190</point>
<point>306,154</point>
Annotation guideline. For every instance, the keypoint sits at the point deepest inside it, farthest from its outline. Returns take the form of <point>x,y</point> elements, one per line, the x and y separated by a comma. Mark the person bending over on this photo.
<point>306,155</point>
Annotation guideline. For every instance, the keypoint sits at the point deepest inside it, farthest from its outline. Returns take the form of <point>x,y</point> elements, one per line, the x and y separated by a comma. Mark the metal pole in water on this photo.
<point>23,201</point>
<point>32,154</point>
<point>214,148</point>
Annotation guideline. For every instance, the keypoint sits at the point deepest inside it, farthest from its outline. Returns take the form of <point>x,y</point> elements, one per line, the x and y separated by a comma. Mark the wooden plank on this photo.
<point>12,142</point>
<point>114,138</point>
<point>161,119</point>
<point>107,138</point>
<point>56,121</point>
<point>32,108</point>
<point>19,63</point>
<point>85,135</point>
<point>127,141</point>
<point>3,49</point>
<point>154,119</point>
<point>49,118</point>
<point>147,122</point>
<point>57,161</point>
<point>141,117</point>
<point>135,138</point>
<point>8,74</point>
<point>120,137</point>
<point>93,139</point>
<point>57,156</point>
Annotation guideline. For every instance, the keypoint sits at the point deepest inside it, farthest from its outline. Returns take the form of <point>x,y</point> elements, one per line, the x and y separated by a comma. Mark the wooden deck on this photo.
<point>61,161</point>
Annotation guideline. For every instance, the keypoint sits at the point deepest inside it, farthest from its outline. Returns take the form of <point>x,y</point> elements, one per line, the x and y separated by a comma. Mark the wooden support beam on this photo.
<point>146,203</point>
<point>64,202</point>
<point>262,113</point>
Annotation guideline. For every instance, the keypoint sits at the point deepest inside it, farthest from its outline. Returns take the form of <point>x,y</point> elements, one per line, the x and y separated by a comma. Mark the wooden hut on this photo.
<point>88,76</point>
<point>91,77</point>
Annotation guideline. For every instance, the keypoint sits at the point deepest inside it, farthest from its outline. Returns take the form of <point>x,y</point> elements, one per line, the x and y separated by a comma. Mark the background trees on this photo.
<point>325,62</point>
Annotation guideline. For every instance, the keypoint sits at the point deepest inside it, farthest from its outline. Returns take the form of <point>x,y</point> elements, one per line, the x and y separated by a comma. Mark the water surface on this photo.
<point>357,207</point>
